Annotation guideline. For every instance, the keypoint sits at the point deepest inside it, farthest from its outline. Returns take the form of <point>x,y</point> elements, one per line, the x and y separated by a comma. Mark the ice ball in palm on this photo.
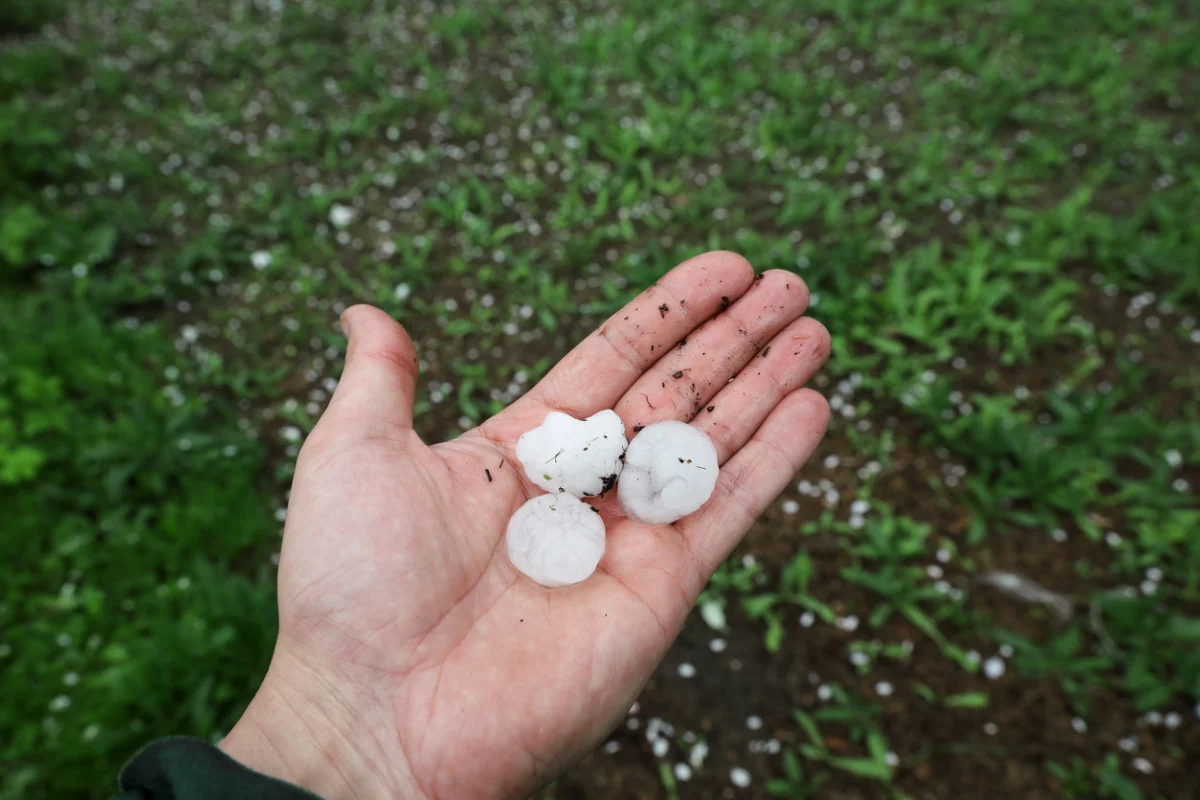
<point>555,539</point>
<point>578,457</point>
<point>670,471</point>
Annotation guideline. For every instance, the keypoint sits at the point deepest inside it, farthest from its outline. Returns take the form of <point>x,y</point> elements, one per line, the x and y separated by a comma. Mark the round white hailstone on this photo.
<point>661,746</point>
<point>1172,720</point>
<point>578,457</point>
<point>717,645</point>
<point>791,507</point>
<point>555,540</point>
<point>261,259</point>
<point>1079,725</point>
<point>884,689</point>
<point>993,668</point>
<point>739,777</point>
<point>340,215</point>
<point>807,619</point>
<point>754,723</point>
<point>670,471</point>
<point>683,772</point>
<point>687,670</point>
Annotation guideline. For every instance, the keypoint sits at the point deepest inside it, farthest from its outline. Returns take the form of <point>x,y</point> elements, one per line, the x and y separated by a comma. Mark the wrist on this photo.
<point>302,729</point>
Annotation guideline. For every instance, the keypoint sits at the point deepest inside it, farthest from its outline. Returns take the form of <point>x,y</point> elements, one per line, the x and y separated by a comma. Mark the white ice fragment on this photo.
<point>341,215</point>
<point>713,614</point>
<point>261,259</point>
<point>579,457</point>
<point>670,471</point>
<point>555,540</point>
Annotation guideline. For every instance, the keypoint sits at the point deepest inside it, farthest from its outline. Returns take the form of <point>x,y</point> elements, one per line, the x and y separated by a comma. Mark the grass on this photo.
<point>996,219</point>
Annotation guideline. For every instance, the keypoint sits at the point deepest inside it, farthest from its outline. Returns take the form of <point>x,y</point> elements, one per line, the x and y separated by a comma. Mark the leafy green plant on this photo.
<point>1105,780</point>
<point>795,783</point>
<point>858,717</point>
<point>794,580</point>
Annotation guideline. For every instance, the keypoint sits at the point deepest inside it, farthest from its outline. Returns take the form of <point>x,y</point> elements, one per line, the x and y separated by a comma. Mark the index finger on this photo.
<point>601,368</point>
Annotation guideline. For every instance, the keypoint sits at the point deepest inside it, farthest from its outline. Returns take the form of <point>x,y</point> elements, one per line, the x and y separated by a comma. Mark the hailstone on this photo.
<point>579,457</point>
<point>555,539</point>
<point>670,471</point>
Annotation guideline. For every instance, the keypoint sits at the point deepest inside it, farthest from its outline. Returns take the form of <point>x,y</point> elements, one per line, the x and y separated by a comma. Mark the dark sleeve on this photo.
<point>179,768</point>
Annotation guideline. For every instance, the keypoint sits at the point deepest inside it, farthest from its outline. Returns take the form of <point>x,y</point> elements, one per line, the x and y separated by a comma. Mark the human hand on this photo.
<point>413,660</point>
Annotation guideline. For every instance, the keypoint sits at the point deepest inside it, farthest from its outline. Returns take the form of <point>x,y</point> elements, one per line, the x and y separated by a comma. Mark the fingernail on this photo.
<point>345,327</point>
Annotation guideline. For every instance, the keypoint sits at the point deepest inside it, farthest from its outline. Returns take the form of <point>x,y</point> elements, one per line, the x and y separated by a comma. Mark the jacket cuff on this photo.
<point>181,768</point>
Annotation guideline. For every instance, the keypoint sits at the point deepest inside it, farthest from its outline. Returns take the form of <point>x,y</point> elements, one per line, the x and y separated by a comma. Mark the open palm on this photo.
<point>413,660</point>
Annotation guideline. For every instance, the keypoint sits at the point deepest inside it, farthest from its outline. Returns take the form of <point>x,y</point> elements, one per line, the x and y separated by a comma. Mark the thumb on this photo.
<point>379,381</point>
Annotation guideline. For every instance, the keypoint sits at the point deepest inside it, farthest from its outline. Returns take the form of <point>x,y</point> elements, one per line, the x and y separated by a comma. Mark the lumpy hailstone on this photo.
<point>555,540</point>
<point>579,457</point>
<point>670,471</point>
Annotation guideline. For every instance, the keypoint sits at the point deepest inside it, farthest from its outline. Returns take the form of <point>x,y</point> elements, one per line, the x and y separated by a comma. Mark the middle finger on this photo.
<point>683,381</point>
